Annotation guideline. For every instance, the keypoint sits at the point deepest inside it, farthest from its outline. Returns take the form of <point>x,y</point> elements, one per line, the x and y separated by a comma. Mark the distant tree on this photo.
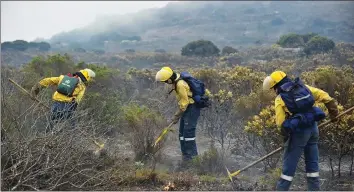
<point>291,40</point>
<point>318,44</point>
<point>44,46</point>
<point>18,45</point>
<point>201,48</point>
<point>21,45</point>
<point>160,51</point>
<point>308,36</point>
<point>130,50</point>
<point>32,45</point>
<point>228,50</point>
<point>6,45</point>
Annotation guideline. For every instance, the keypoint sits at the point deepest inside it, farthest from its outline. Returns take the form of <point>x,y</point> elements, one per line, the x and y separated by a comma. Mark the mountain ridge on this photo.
<point>224,23</point>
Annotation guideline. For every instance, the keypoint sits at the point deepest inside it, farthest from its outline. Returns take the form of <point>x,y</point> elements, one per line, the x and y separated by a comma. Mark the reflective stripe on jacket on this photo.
<point>281,109</point>
<point>78,92</point>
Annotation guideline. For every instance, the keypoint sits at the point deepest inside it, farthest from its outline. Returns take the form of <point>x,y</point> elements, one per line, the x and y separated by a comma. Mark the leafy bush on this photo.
<point>228,50</point>
<point>144,125</point>
<point>201,48</point>
<point>318,44</point>
<point>291,40</point>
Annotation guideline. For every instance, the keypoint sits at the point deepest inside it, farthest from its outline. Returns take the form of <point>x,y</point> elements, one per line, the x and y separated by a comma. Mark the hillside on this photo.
<point>225,23</point>
<point>125,109</point>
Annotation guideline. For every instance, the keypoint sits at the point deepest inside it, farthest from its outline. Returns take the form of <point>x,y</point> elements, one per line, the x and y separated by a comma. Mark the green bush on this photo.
<point>318,44</point>
<point>228,50</point>
<point>291,40</point>
<point>201,48</point>
<point>308,36</point>
<point>143,124</point>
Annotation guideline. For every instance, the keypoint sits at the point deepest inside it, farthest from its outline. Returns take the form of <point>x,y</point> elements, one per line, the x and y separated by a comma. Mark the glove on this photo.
<point>177,116</point>
<point>35,90</point>
<point>332,109</point>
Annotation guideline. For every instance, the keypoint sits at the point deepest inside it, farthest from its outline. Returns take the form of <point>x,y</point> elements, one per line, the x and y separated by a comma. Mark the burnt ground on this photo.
<point>252,179</point>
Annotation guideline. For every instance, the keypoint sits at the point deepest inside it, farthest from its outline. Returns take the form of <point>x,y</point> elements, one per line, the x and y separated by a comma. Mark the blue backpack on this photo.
<point>296,96</point>
<point>300,102</point>
<point>197,89</point>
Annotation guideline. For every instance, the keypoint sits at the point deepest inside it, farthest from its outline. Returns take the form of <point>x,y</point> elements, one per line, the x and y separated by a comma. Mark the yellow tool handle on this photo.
<point>162,134</point>
<point>25,91</point>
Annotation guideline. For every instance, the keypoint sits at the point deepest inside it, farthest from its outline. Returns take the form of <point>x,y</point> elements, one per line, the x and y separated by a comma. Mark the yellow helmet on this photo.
<point>274,78</point>
<point>88,73</point>
<point>164,74</point>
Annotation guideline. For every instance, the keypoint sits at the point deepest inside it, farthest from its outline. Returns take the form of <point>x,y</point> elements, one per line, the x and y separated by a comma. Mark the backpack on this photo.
<point>67,85</point>
<point>296,96</point>
<point>300,102</point>
<point>197,89</point>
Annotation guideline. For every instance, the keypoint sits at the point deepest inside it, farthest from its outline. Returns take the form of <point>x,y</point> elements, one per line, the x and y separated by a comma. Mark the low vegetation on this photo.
<point>125,109</point>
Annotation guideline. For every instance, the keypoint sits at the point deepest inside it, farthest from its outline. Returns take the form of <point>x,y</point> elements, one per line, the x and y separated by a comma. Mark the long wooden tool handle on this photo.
<point>340,115</point>
<point>261,159</point>
<point>26,92</point>
<point>280,148</point>
<point>164,132</point>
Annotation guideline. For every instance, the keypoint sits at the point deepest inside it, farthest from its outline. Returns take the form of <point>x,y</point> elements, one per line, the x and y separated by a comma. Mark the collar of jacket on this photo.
<point>282,82</point>
<point>174,84</point>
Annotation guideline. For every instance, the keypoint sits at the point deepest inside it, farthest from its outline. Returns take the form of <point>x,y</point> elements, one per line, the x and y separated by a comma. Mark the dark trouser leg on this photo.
<point>293,150</point>
<point>55,115</point>
<point>60,112</point>
<point>190,125</point>
<point>181,138</point>
<point>311,160</point>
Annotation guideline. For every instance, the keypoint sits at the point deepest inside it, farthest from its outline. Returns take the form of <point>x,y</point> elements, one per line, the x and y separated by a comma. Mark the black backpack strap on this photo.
<point>171,91</point>
<point>175,87</point>
<point>83,78</point>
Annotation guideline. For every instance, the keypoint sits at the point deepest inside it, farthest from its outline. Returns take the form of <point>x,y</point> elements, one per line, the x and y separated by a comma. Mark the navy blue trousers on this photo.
<point>302,140</point>
<point>61,112</point>
<point>187,129</point>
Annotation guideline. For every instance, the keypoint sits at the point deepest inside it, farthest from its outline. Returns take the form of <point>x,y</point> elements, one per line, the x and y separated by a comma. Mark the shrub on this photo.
<point>143,125</point>
<point>318,44</point>
<point>291,40</point>
<point>209,162</point>
<point>228,50</point>
<point>201,48</point>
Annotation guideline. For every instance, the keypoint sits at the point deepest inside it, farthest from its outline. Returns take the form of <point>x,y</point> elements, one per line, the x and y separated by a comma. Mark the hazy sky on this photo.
<point>28,20</point>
